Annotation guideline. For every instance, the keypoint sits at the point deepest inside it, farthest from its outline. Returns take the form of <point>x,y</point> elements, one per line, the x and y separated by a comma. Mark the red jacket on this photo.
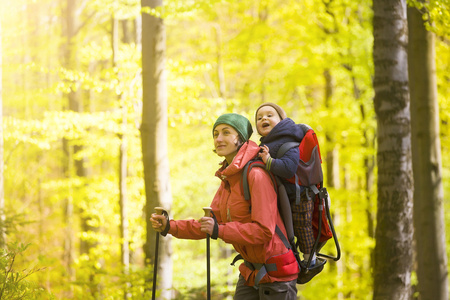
<point>252,233</point>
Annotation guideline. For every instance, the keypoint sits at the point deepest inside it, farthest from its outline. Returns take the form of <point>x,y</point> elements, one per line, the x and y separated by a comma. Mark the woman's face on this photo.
<point>266,119</point>
<point>226,141</point>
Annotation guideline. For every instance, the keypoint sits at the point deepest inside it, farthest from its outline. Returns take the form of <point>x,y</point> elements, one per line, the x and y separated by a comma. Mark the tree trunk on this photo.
<point>68,203</point>
<point>123,200</point>
<point>154,140</point>
<point>332,158</point>
<point>394,232</point>
<point>127,37</point>
<point>429,223</point>
<point>2,194</point>
<point>220,72</point>
<point>369,162</point>
<point>333,172</point>
<point>75,103</point>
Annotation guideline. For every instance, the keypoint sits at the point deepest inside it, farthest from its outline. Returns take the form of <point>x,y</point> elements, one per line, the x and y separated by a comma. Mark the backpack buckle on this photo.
<point>323,194</point>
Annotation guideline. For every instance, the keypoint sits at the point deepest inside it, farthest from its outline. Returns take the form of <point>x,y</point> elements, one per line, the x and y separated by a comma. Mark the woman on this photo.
<point>250,226</point>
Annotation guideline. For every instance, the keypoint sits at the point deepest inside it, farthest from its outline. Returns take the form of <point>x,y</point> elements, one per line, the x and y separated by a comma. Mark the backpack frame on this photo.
<point>310,176</point>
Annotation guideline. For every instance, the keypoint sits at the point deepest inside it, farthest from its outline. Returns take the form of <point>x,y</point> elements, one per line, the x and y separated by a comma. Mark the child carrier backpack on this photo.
<point>309,178</point>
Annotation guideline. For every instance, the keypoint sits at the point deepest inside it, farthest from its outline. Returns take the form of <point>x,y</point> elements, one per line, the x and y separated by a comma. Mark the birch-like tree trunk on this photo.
<point>2,193</point>
<point>72,25</point>
<point>154,140</point>
<point>333,171</point>
<point>123,162</point>
<point>68,255</point>
<point>76,105</point>
<point>394,233</point>
<point>332,154</point>
<point>429,223</point>
<point>220,72</point>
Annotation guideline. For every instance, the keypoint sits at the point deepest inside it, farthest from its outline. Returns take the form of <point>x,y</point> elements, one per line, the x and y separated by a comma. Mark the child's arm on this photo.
<point>284,167</point>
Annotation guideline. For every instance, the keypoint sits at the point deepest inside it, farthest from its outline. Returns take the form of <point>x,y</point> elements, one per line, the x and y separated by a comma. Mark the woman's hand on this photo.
<point>207,225</point>
<point>264,153</point>
<point>159,222</point>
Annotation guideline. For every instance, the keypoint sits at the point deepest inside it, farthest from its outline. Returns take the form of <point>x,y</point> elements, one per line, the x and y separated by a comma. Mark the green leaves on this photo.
<point>14,284</point>
<point>58,125</point>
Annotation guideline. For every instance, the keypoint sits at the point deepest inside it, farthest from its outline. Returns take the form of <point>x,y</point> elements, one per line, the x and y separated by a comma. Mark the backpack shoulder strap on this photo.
<point>246,171</point>
<point>283,201</point>
<point>285,147</point>
<point>305,127</point>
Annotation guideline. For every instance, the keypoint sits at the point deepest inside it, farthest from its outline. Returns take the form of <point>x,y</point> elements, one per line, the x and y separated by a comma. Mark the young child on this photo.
<point>275,130</point>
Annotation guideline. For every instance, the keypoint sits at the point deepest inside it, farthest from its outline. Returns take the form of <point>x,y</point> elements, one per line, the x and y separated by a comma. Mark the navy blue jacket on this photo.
<point>284,167</point>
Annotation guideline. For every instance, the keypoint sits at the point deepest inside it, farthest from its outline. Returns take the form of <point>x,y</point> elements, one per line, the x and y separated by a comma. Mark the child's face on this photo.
<point>266,119</point>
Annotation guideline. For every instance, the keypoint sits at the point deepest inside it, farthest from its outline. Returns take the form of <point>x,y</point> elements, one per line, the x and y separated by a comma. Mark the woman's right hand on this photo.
<point>159,222</point>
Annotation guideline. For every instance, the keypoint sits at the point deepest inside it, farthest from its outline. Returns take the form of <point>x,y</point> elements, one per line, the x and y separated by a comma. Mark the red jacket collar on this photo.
<point>247,152</point>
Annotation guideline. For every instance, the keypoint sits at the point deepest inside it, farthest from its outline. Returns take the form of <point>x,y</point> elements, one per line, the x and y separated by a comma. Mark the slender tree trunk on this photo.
<point>263,16</point>
<point>429,223</point>
<point>154,139</point>
<point>369,161</point>
<point>2,194</point>
<point>128,37</point>
<point>332,154</point>
<point>220,72</point>
<point>123,201</point>
<point>67,163</point>
<point>333,171</point>
<point>75,103</point>
<point>68,253</point>
<point>394,232</point>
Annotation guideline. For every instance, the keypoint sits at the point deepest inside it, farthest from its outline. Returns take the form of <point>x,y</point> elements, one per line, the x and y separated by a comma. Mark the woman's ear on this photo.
<point>239,143</point>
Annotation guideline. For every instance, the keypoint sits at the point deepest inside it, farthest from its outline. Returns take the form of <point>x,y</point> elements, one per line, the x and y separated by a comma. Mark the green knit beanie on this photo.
<point>240,123</point>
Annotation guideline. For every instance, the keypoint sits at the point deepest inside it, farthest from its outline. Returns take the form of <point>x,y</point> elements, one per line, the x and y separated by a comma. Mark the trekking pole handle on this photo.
<point>159,210</point>
<point>207,211</point>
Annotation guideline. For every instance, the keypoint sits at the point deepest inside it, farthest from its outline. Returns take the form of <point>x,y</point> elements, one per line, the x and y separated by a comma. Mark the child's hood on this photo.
<point>286,128</point>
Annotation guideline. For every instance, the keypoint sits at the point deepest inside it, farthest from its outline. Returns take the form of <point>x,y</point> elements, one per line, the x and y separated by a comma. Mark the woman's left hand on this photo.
<point>159,222</point>
<point>207,225</point>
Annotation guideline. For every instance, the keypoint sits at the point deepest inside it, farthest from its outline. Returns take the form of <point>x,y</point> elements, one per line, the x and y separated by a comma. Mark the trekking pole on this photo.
<point>207,211</point>
<point>159,211</point>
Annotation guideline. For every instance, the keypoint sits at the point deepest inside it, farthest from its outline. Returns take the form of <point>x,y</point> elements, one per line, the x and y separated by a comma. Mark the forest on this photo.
<point>107,108</point>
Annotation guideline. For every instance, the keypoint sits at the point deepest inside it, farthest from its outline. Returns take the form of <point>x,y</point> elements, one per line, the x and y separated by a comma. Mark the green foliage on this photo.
<point>14,284</point>
<point>436,14</point>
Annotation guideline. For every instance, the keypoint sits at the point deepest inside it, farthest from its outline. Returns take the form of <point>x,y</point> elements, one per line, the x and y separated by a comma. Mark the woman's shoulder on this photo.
<point>258,171</point>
